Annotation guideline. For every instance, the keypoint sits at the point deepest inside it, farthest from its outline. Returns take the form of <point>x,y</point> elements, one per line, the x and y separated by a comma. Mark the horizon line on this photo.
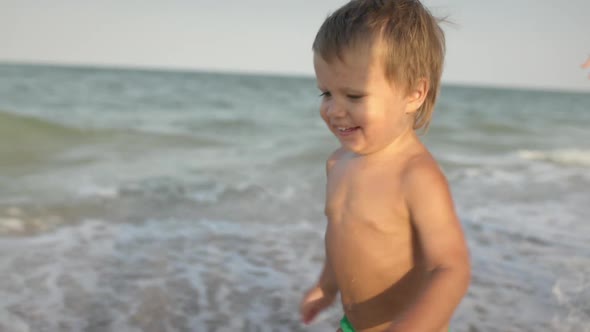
<point>263,73</point>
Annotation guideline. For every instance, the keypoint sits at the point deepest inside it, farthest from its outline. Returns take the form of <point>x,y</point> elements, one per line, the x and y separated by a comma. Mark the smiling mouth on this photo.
<point>347,129</point>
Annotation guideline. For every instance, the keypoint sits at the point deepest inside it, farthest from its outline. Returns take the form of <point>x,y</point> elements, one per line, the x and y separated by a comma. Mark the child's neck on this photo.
<point>399,146</point>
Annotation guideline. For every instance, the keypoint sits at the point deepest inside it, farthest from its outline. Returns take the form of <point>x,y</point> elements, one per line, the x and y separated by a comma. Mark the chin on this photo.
<point>353,148</point>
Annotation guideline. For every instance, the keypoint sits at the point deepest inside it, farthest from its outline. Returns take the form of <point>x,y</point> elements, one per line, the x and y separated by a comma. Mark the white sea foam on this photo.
<point>571,292</point>
<point>28,225</point>
<point>12,323</point>
<point>95,190</point>
<point>566,157</point>
<point>11,225</point>
<point>162,275</point>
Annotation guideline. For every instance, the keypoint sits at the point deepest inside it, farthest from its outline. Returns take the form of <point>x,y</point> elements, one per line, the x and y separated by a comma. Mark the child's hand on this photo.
<point>314,301</point>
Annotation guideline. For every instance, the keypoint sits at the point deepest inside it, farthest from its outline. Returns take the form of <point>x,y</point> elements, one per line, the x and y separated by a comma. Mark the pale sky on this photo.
<point>515,43</point>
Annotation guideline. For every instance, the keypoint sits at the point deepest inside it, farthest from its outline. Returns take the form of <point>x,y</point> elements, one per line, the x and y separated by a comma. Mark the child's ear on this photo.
<point>417,95</point>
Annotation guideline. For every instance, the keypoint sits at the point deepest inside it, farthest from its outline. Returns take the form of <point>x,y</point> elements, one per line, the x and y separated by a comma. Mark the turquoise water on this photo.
<point>176,201</point>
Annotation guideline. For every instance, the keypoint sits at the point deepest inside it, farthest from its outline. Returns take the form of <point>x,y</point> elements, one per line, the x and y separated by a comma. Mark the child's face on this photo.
<point>361,107</point>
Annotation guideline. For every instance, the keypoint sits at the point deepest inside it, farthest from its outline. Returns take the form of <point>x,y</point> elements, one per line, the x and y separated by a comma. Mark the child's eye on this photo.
<point>325,94</point>
<point>355,97</point>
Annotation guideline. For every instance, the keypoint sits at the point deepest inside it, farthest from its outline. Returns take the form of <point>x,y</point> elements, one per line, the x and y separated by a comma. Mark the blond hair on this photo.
<point>413,40</point>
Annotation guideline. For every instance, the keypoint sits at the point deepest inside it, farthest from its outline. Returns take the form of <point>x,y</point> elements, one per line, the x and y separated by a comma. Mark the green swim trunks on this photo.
<point>345,325</point>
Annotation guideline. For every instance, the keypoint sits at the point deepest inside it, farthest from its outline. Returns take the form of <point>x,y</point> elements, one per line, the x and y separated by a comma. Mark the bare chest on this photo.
<point>369,195</point>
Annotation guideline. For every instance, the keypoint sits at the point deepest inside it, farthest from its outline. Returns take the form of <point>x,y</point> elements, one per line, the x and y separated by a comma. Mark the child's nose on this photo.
<point>336,109</point>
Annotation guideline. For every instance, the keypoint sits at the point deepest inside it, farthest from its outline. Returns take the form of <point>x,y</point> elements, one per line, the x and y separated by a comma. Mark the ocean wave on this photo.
<point>566,157</point>
<point>185,274</point>
<point>28,141</point>
<point>30,128</point>
<point>209,192</point>
<point>27,129</point>
<point>16,222</point>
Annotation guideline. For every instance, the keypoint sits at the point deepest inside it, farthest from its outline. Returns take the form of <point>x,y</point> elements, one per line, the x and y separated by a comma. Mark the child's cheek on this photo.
<point>324,111</point>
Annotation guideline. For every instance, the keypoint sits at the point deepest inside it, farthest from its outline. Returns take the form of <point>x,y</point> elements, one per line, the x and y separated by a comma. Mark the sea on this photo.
<point>152,200</point>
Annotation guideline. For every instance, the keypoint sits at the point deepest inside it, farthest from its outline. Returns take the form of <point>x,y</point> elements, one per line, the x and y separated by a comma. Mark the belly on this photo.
<point>367,258</point>
<point>376,270</point>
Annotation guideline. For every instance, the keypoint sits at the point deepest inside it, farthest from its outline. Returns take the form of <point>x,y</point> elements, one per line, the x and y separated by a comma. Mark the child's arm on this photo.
<point>324,292</point>
<point>327,281</point>
<point>320,296</point>
<point>441,238</point>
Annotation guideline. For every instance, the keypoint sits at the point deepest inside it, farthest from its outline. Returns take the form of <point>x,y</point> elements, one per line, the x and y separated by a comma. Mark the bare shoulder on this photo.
<point>422,172</point>
<point>334,157</point>
<point>426,190</point>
